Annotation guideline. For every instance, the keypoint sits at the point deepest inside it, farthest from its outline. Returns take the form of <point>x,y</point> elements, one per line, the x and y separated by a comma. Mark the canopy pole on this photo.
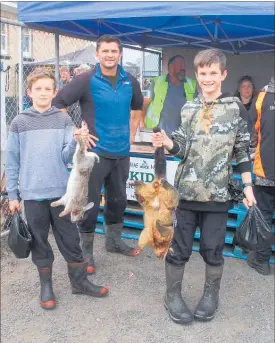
<point>142,69</point>
<point>121,57</point>
<point>56,68</point>
<point>226,36</point>
<point>20,70</point>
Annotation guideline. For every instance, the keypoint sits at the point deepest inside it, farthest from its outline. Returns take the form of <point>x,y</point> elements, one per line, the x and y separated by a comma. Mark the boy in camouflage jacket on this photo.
<point>212,130</point>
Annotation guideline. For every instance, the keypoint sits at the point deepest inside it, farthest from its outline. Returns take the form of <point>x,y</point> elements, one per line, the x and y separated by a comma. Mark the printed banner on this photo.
<point>143,169</point>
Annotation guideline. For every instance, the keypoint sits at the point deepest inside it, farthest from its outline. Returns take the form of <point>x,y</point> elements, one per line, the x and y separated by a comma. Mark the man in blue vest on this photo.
<point>167,95</point>
<point>106,96</point>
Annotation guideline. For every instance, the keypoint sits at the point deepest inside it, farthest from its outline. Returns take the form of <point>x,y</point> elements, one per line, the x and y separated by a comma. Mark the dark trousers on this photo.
<point>40,215</point>
<point>213,228</point>
<point>265,197</point>
<point>113,174</point>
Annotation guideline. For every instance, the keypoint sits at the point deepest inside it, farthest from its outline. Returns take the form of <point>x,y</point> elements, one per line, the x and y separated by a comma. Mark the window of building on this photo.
<point>4,39</point>
<point>27,42</point>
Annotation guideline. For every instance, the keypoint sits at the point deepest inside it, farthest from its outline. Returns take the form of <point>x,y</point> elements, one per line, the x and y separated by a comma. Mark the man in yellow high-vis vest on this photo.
<point>167,95</point>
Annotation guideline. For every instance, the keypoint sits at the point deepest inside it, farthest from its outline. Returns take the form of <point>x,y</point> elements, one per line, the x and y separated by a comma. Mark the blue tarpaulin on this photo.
<point>235,27</point>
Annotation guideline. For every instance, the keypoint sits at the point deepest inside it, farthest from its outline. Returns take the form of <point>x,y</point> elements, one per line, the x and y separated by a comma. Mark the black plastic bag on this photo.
<point>19,239</point>
<point>264,231</point>
<point>246,236</point>
<point>254,231</point>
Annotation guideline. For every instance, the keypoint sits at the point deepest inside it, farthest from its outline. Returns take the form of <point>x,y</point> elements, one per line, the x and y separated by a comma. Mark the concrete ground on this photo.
<point>133,312</point>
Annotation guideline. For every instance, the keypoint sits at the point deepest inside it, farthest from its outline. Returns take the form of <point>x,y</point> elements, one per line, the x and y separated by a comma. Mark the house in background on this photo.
<point>9,44</point>
<point>38,47</point>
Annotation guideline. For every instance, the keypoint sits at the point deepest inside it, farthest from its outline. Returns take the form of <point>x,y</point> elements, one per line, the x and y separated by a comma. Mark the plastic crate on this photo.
<point>133,224</point>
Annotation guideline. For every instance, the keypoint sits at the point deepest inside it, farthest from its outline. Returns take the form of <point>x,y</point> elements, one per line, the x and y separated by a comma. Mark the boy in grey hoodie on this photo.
<point>40,145</point>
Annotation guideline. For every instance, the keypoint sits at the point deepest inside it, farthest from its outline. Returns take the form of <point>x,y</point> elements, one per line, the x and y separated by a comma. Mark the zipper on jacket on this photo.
<point>119,84</point>
<point>107,81</point>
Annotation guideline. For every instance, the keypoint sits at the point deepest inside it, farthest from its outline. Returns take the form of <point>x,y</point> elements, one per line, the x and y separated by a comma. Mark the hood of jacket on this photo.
<point>222,99</point>
<point>34,113</point>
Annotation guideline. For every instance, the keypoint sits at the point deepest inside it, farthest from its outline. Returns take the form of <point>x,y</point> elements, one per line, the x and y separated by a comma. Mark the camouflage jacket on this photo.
<point>206,157</point>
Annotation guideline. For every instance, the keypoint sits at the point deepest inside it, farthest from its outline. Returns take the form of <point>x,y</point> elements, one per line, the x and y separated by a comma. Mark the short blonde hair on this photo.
<point>208,57</point>
<point>40,74</point>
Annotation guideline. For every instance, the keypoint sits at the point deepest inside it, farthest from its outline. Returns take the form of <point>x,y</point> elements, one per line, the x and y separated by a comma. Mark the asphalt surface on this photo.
<point>133,312</point>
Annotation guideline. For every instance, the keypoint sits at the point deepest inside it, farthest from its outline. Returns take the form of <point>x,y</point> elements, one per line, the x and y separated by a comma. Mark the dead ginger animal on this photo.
<point>159,200</point>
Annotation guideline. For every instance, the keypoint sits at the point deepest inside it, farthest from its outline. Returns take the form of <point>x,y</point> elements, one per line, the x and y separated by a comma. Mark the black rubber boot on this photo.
<point>79,282</point>
<point>260,267</point>
<point>87,244</point>
<point>114,242</point>
<point>47,297</point>
<point>173,301</point>
<point>209,302</point>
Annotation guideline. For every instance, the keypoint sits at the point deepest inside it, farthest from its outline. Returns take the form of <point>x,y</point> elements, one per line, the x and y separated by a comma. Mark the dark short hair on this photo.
<point>241,80</point>
<point>208,57</point>
<point>108,39</point>
<point>172,59</point>
<point>246,78</point>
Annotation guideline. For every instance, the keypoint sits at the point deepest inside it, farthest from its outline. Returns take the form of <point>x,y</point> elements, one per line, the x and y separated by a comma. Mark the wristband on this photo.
<point>247,184</point>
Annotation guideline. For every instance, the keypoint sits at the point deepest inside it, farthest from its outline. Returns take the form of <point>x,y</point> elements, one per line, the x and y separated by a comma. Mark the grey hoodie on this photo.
<point>39,147</point>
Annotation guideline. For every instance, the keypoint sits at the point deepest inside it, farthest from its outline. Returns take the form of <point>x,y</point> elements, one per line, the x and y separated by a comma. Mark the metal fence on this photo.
<point>27,49</point>
<point>24,50</point>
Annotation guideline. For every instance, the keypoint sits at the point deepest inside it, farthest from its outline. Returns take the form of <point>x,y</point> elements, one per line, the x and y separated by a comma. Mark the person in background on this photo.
<point>65,76</point>
<point>106,95</point>
<point>82,69</point>
<point>167,95</point>
<point>146,84</point>
<point>262,115</point>
<point>246,91</point>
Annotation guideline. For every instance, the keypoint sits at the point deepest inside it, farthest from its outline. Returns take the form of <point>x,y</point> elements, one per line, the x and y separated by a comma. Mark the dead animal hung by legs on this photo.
<point>75,199</point>
<point>159,200</point>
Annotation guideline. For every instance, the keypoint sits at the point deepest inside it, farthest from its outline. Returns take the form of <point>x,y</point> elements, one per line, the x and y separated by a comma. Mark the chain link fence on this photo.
<point>144,65</point>
<point>9,104</point>
<point>75,56</point>
<point>10,64</point>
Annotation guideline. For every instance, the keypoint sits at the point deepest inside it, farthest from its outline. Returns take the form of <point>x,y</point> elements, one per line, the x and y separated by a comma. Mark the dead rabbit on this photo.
<point>76,197</point>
